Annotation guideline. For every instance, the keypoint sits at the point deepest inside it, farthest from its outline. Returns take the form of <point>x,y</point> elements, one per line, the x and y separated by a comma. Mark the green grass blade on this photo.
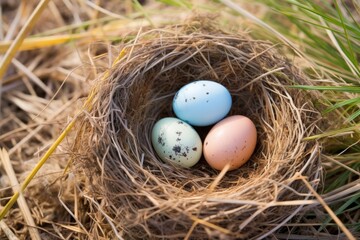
<point>177,3</point>
<point>350,52</point>
<point>341,209</point>
<point>140,8</point>
<point>315,24</point>
<point>353,129</point>
<point>313,11</point>
<point>342,104</point>
<point>354,116</point>
<point>350,89</point>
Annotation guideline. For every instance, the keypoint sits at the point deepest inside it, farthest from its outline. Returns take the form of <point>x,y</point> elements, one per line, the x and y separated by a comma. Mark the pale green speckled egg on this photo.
<point>176,142</point>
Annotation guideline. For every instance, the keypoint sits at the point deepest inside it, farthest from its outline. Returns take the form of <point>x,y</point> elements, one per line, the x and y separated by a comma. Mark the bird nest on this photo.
<point>147,198</point>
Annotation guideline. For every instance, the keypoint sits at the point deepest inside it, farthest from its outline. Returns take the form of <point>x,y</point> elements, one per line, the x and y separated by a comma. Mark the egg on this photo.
<point>202,103</point>
<point>176,142</point>
<point>232,140</point>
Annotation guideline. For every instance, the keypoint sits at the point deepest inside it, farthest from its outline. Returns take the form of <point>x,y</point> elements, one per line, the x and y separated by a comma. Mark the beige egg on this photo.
<point>232,140</point>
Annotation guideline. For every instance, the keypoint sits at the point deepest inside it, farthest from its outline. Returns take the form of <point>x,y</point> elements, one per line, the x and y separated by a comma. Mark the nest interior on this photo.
<point>148,198</point>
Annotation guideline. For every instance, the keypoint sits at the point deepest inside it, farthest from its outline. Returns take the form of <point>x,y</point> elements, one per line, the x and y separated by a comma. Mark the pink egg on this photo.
<point>232,140</point>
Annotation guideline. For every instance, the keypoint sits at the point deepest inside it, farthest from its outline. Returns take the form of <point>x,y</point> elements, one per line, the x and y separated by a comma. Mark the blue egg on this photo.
<point>202,103</point>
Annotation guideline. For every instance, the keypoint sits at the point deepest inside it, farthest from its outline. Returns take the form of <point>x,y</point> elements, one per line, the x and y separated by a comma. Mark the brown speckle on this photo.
<point>176,149</point>
<point>161,141</point>
<point>194,148</point>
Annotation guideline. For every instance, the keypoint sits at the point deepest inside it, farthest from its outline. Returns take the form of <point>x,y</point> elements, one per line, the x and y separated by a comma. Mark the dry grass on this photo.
<point>39,92</point>
<point>142,197</point>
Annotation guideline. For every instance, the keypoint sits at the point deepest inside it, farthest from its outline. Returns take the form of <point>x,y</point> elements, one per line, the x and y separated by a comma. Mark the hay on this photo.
<point>147,198</point>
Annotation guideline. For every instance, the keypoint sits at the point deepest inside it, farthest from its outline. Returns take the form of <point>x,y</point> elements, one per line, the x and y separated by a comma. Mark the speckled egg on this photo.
<point>202,103</point>
<point>232,140</point>
<point>176,142</point>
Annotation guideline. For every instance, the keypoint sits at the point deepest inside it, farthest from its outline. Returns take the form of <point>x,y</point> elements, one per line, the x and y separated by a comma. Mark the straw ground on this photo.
<point>40,117</point>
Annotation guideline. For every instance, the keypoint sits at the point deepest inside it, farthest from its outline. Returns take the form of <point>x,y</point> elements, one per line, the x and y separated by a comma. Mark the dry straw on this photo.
<point>147,198</point>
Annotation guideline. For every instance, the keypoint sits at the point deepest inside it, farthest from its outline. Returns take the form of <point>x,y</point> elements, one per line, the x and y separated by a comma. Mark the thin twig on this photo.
<point>9,234</point>
<point>328,209</point>
<point>21,36</point>
<point>32,76</point>
<point>107,217</point>
<point>352,67</point>
<point>34,234</point>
